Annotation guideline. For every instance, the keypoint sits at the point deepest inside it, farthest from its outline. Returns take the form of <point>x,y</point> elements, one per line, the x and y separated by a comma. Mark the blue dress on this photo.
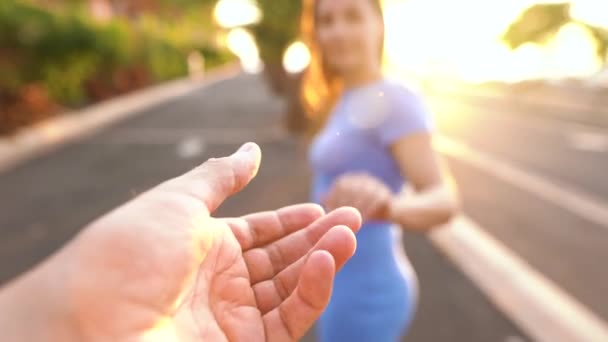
<point>375,294</point>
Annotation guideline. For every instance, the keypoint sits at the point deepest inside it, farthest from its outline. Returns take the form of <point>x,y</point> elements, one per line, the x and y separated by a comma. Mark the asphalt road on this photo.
<point>567,248</point>
<point>44,202</point>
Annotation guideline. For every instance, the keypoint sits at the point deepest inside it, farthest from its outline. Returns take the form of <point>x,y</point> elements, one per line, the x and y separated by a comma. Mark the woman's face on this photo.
<point>349,34</point>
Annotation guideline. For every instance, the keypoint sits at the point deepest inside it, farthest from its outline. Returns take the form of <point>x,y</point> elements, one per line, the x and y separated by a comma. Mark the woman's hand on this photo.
<point>362,191</point>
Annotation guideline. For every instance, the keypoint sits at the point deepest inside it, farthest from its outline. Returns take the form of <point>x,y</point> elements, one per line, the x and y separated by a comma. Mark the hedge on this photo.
<point>51,61</point>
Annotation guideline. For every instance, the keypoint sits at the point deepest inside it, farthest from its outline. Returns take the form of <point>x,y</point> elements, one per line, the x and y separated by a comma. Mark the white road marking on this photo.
<point>514,339</point>
<point>543,310</point>
<point>564,196</point>
<point>588,141</point>
<point>540,307</point>
<point>190,147</point>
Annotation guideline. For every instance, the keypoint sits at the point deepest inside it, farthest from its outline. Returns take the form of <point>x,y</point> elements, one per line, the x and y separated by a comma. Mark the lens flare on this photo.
<point>242,44</point>
<point>297,57</point>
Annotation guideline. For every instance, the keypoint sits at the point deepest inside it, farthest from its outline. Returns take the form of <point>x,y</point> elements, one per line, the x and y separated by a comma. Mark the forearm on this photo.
<point>424,211</point>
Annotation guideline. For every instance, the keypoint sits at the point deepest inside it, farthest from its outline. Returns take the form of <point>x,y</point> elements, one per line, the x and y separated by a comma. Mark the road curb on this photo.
<point>55,132</point>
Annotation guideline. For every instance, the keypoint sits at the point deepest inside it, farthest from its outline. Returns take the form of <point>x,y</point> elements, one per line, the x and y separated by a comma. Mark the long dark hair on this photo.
<point>321,88</point>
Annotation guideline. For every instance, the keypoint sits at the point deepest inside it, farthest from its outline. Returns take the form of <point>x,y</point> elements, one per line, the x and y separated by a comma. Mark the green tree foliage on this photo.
<point>60,51</point>
<point>69,59</point>
<point>541,22</point>
<point>278,28</point>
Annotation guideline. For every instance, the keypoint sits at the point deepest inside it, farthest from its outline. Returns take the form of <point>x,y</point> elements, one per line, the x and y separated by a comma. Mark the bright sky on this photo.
<point>457,39</point>
<point>461,40</point>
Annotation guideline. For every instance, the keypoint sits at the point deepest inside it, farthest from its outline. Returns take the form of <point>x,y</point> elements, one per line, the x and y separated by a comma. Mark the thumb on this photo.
<point>218,178</point>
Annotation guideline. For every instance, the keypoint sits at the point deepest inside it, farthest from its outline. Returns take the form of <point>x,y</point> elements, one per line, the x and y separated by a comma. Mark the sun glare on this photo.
<point>242,44</point>
<point>235,13</point>
<point>592,11</point>
<point>461,39</point>
<point>573,51</point>
<point>163,330</point>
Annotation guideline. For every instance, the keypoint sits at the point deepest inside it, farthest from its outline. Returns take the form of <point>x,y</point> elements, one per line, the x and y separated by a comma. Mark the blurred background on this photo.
<point>519,89</point>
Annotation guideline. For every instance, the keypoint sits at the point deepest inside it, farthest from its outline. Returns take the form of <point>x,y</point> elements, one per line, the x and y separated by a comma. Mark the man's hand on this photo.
<point>162,269</point>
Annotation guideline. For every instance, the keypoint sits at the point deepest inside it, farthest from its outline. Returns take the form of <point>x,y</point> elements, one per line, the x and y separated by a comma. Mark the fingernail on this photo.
<point>247,147</point>
<point>245,152</point>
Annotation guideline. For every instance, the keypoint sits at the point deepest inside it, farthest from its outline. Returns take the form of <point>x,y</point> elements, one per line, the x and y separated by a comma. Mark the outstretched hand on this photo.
<point>161,268</point>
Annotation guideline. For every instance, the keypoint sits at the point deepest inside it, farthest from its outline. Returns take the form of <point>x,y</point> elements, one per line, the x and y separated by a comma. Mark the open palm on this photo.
<point>264,280</point>
<point>162,269</point>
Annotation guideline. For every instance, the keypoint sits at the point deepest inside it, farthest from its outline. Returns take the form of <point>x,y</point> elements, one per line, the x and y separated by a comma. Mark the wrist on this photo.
<point>34,307</point>
<point>403,213</point>
<point>394,210</point>
<point>422,212</point>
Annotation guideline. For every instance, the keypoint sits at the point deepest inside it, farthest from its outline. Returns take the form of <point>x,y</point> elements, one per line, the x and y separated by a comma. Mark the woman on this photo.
<point>373,138</point>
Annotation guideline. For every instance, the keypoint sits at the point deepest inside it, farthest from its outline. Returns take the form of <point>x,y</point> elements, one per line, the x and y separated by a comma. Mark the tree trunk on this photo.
<point>287,86</point>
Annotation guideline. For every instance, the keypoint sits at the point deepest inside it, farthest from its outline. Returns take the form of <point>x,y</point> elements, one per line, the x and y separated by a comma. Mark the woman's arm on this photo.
<point>433,200</point>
